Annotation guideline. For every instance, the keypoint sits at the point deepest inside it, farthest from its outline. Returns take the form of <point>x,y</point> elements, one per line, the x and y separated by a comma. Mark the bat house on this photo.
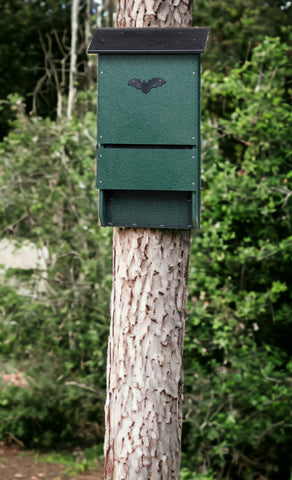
<point>148,157</point>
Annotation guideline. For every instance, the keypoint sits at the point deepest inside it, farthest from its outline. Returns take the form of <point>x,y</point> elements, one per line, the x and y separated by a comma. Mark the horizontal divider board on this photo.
<point>140,209</point>
<point>148,169</point>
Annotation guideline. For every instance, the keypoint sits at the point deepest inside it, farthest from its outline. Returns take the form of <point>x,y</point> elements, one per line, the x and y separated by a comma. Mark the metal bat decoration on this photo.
<point>146,86</point>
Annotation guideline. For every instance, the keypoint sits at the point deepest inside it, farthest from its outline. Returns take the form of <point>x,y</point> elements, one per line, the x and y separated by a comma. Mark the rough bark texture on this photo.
<point>154,13</point>
<point>144,369</point>
<point>145,373</point>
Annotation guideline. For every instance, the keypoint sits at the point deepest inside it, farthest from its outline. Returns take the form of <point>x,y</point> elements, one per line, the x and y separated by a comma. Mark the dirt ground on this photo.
<point>17,463</point>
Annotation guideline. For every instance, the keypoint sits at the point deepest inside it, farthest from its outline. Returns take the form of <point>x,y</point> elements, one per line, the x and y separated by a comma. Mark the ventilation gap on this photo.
<point>149,147</point>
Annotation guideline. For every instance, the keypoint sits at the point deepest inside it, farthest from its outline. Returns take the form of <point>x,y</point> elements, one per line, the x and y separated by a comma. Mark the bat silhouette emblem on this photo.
<point>146,86</point>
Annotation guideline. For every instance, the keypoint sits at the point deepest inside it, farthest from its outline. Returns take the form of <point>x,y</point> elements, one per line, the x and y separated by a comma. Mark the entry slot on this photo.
<point>140,209</point>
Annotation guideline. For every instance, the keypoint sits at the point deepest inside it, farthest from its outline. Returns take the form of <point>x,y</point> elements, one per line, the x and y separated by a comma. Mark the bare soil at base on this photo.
<point>17,463</point>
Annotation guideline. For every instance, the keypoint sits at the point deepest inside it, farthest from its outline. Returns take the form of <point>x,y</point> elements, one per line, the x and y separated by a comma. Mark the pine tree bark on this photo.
<point>154,13</point>
<point>145,372</point>
<point>144,365</point>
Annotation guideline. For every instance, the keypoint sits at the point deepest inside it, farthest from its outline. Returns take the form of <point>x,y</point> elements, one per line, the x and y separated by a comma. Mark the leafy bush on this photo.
<point>237,349</point>
<point>237,418</point>
<point>57,337</point>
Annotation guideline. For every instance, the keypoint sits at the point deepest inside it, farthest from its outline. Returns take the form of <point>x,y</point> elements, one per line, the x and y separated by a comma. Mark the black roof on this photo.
<point>149,40</point>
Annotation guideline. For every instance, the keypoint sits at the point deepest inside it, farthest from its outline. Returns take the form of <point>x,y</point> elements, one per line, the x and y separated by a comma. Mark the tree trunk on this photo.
<point>144,366</point>
<point>154,13</point>
<point>145,373</point>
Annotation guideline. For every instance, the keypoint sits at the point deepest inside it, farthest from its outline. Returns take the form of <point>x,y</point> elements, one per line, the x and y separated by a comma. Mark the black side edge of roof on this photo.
<point>149,40</point>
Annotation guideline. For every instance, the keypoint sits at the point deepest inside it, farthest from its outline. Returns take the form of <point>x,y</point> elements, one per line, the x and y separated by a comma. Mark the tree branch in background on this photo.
<point>73,58</point>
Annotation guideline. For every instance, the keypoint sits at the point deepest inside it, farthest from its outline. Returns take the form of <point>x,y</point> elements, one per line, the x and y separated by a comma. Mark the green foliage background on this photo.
<point>238,368</point>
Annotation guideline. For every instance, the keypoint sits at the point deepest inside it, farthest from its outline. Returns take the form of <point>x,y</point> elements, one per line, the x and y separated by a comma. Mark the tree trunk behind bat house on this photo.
<point>144,370</point>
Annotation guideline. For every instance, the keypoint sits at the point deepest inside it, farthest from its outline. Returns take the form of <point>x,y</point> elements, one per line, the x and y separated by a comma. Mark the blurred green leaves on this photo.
<point>238,390</point>
<point>56,335</point>
<point>237,414</point>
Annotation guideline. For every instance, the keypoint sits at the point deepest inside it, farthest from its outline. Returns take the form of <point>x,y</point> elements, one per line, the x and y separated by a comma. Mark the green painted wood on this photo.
<point>148,209</point>
<point>147,169</point>
<point>196,214</point>
<point>102,209</point>
<point>168,114</point>
<point>148,164</point>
